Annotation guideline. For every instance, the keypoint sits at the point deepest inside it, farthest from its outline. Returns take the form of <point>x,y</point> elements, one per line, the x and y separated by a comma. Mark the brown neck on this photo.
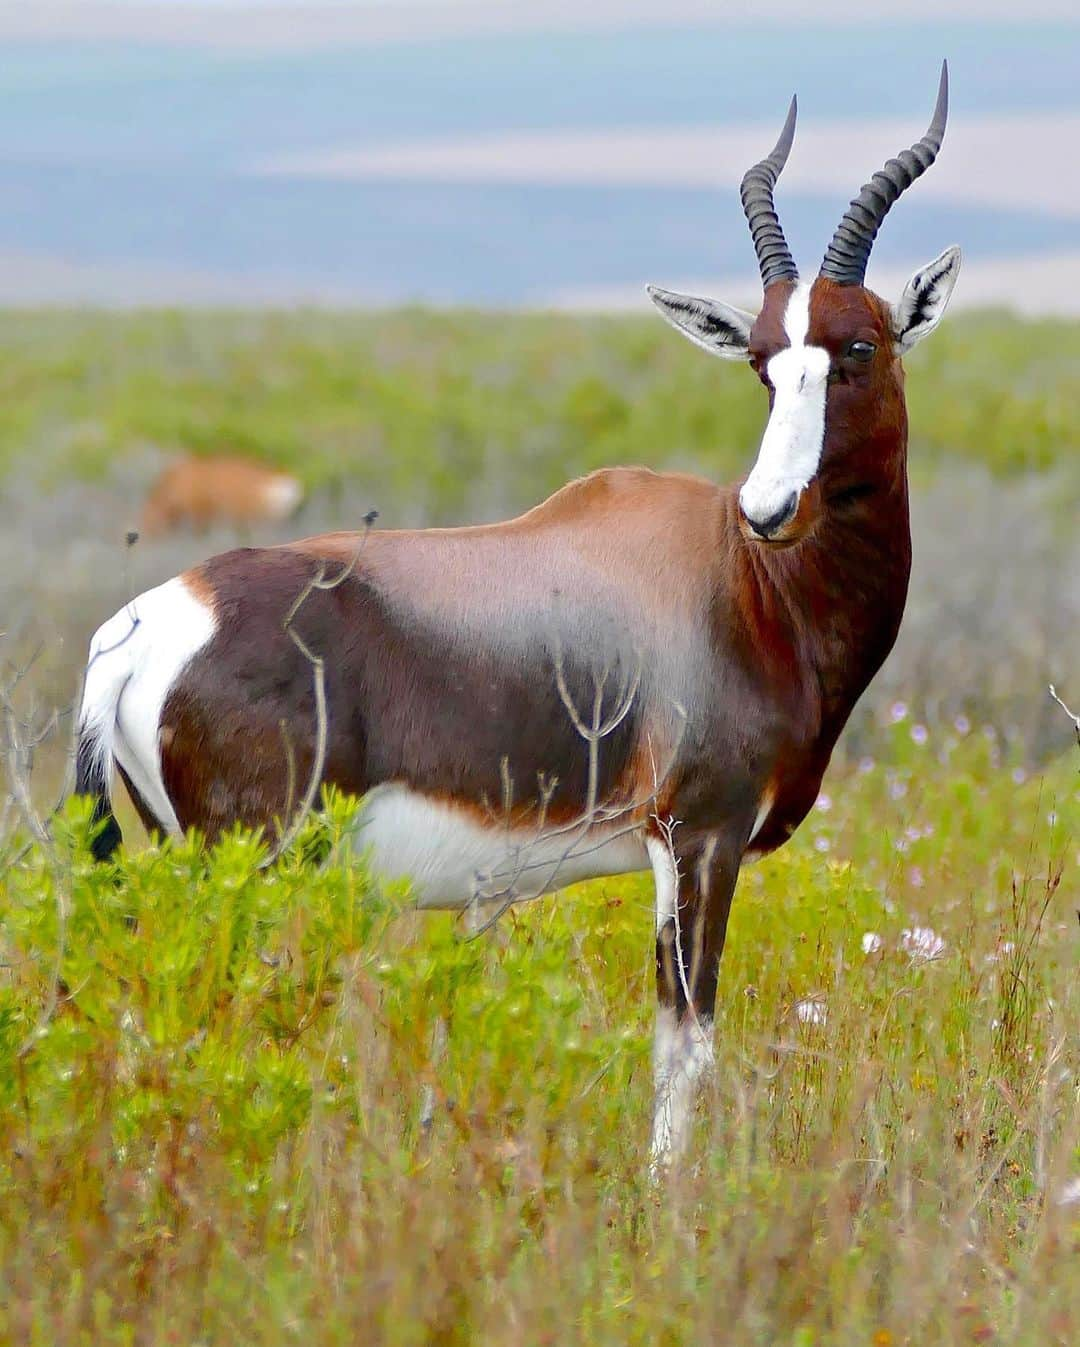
<point>828,609</point>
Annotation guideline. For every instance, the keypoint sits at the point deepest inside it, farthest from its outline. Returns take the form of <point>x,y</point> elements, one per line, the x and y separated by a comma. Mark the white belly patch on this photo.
<point>452,860</point>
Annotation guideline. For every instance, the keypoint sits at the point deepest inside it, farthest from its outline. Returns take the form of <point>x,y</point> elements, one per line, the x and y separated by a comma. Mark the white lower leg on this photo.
<point>682,1053</point>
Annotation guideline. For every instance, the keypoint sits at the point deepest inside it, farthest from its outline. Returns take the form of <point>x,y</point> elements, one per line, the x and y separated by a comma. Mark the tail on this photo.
<point>92,778</point>
<point>106,677</point>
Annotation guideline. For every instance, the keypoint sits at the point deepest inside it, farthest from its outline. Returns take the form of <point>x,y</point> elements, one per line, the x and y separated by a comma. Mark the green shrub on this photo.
<point>213,1076</point>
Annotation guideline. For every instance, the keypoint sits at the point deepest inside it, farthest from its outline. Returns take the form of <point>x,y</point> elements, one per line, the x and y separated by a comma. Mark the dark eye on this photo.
<point>862,351</point>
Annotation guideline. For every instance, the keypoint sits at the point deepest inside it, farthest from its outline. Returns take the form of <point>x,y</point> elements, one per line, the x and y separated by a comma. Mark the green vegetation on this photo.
<point>436,415</point>
<point>211,1080</point>
<point>212,1076</point>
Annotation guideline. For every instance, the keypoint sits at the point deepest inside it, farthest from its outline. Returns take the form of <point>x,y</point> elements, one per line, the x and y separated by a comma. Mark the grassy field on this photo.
<point>213,1077</point>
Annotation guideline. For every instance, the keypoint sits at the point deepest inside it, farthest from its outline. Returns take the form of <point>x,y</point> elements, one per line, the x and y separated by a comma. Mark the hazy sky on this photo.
<point>514,152</point>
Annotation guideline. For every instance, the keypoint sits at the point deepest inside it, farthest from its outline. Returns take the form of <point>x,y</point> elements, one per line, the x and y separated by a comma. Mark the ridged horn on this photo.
<point>849,252</point>
<point>773,254</point>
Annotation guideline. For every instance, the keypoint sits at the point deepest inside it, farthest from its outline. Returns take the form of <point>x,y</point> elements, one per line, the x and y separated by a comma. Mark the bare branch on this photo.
<point>667,832</point>
<point>317,582</point>
<point>22,738</point>
<point>581,836</point>
<point>288,837</point>
<point>1074,718</point>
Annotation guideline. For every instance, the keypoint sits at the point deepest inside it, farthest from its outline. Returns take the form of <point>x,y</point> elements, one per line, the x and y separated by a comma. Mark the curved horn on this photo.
<point>848,253</point>
<point>773,255</point>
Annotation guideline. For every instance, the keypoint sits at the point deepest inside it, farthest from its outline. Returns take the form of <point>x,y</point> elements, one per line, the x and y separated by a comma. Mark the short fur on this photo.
<point>443,650</point>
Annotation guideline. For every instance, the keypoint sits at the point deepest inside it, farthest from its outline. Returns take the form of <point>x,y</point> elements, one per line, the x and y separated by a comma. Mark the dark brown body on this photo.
<point>440,651</point>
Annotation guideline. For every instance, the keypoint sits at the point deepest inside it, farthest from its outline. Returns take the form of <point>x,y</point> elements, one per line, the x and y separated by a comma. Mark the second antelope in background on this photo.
<point>645,670</point>
<point>199,493</point>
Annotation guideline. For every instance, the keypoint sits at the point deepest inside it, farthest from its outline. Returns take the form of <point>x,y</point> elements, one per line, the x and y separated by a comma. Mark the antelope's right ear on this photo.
<point>718,328</point>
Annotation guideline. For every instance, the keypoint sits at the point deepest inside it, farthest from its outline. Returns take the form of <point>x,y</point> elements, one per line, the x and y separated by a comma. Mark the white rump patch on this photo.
<point>791,447</point>
<point>135,659</point>
<point>454,861</point>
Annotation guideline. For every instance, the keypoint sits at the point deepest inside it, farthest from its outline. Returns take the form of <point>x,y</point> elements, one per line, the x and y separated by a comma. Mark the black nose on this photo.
<point>766,528</point>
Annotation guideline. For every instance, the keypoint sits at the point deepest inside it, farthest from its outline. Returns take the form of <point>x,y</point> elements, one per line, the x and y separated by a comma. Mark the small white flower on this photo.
<point>822,844</point>
<point>823,803</point>
<point>915,877</point>
<point>1019,775</point>
<point>866,765</point>
<point>897,789</point>
<point>898,712</point>
<point>921,944</point>
<point>962,725</point>
<point>1069,1194</point>
<point>872,943</point>
<point>919,734</point>
<point>812,1010</point>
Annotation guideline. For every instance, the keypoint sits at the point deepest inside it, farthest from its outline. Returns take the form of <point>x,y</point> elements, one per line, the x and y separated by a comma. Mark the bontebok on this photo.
<point>645,670</point>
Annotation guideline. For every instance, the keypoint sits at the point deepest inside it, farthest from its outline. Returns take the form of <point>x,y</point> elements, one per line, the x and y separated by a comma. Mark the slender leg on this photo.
<point>439,1036</point>
<point>695,879</point>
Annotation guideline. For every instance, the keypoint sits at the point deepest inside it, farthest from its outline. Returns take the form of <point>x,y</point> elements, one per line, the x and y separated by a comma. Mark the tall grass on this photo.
<point>212,1080</point>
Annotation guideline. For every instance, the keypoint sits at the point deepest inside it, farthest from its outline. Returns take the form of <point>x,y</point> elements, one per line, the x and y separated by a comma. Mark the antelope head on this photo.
<point>827,351</point>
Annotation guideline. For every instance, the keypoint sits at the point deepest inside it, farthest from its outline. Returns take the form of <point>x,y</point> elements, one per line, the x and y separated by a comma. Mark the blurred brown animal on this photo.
<point>196,493</point>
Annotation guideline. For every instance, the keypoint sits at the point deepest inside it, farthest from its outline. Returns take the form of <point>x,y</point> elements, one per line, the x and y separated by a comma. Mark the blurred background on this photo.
<point>509,152</point>
<point>398,251</point>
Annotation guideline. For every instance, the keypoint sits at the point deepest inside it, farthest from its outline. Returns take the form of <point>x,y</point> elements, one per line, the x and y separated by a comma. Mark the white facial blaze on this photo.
<point>791,446</point>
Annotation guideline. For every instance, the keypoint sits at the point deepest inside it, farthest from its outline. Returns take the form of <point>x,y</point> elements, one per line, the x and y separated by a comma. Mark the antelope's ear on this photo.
<point>718,328</point>
<point>922,305</point>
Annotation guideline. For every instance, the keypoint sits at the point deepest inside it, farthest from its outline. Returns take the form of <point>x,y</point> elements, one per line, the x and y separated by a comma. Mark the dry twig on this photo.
<point>318,582</point>
<point>502,888</point>
<point>1072,716</point>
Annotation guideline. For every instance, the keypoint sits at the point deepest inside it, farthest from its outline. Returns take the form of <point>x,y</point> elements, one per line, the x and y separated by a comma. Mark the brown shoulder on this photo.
<point>624,489</point>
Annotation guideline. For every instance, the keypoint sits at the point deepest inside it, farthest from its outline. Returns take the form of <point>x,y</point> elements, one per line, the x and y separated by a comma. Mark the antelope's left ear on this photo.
<point>922,305</point>
<point>721,329</point>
